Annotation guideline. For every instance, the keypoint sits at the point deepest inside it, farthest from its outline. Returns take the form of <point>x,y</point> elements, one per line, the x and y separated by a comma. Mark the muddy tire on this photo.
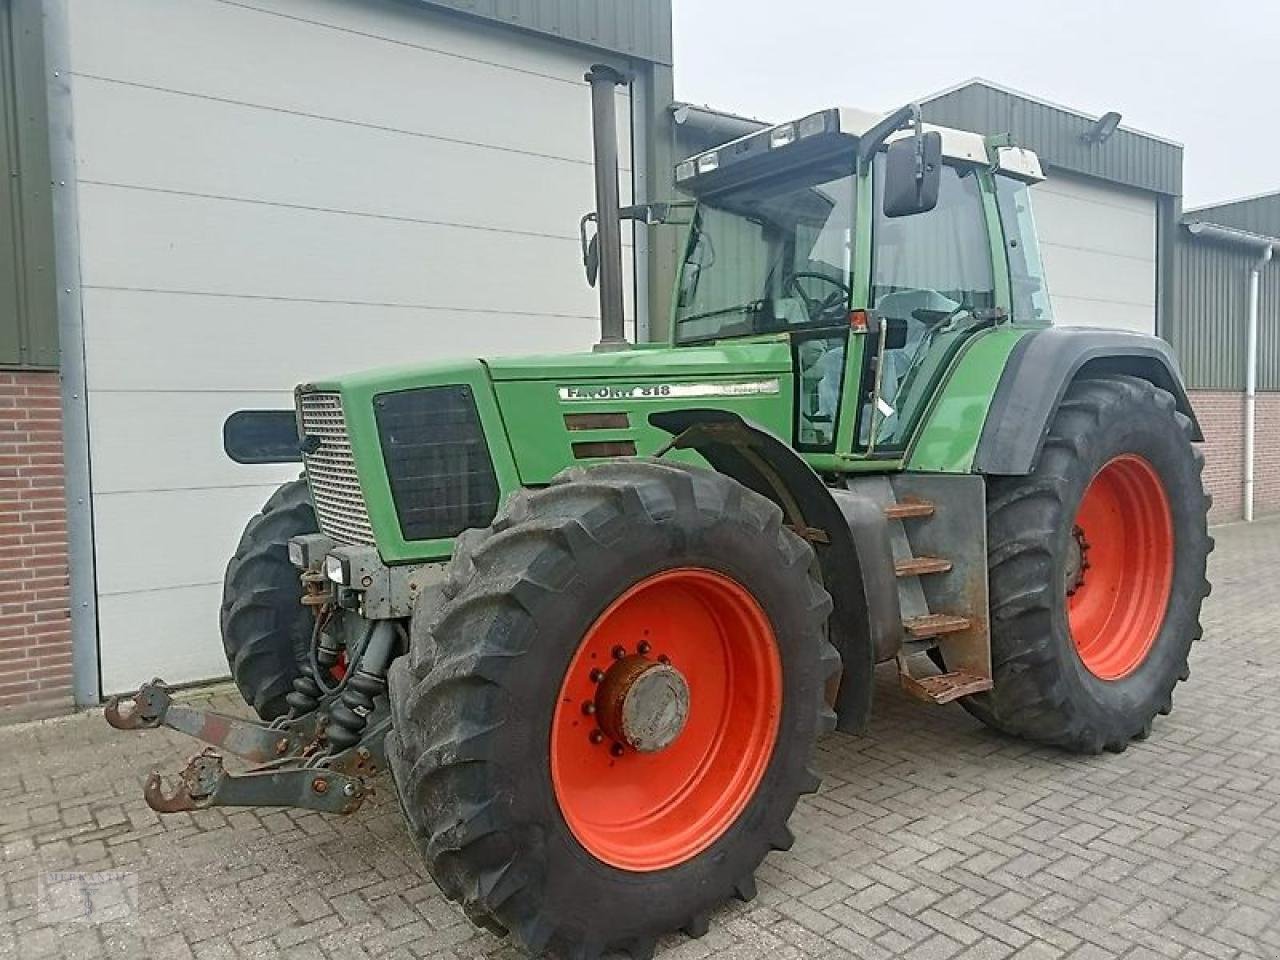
<point>266,631</point>
<point>1097,571</point>
<point>515,796</point>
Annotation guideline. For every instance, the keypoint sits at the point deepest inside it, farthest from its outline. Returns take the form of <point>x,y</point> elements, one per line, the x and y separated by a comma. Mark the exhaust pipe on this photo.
<point>604,133</point>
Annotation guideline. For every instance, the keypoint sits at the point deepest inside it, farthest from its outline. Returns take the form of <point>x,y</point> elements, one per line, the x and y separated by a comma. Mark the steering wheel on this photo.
<point>814,306</point>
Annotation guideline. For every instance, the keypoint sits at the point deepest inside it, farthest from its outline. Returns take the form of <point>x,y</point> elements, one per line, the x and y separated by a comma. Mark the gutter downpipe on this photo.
<point>1266,247</point>
<point>1251,378</point>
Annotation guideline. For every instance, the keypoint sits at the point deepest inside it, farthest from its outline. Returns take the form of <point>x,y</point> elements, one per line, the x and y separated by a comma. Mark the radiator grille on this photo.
<point>331,470</point>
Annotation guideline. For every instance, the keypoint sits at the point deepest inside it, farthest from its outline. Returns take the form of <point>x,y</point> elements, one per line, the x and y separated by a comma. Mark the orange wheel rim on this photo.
<point>1118,589</point>
<point>644,811</point>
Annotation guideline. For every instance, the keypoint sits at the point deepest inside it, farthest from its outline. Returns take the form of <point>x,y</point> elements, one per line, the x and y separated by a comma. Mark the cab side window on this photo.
<point>930,274</point>
<point>1027,282</point>
<point>940,260</point>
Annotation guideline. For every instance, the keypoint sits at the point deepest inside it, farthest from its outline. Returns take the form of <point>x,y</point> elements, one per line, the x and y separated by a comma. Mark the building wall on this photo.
<point>35,625</point>
<point>1099,245</point>
<point>272,191</point>
<point>1221,416</point>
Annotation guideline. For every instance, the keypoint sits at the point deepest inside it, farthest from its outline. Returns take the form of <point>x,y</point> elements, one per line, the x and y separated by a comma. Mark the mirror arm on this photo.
<point>917,120</point>
<point>874,139</point>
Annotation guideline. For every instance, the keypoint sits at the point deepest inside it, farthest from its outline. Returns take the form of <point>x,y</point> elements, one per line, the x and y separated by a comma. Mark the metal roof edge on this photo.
<point>644,34</point>
<point>1041,101</point>
<point>1264,195</point>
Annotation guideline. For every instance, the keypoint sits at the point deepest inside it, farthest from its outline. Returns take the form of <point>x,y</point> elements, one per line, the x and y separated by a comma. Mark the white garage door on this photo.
<point>276,190</point>
<point>1099,245</point>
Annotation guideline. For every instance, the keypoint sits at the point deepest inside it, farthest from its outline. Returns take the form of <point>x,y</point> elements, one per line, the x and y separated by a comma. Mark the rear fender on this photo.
<point>1041,367</point>
<point>762,462</point>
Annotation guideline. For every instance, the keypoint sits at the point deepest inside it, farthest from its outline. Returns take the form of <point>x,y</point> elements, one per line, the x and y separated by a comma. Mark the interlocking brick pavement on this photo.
<point>931,838</point>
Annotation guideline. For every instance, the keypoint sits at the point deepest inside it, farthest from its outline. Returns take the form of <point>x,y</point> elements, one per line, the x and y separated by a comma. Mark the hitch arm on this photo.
<point>153,706</point>
<point>206,783</point>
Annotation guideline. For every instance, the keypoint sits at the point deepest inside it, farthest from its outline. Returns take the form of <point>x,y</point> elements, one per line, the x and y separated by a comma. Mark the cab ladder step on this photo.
<point>941,687</point>
<point>908,509</point>
<point>919,566</point>
<point>935,625</point>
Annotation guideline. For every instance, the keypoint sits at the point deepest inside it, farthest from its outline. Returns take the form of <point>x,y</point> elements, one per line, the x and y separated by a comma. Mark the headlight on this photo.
<point>781,136</point>
<point>335,570</point>
<point>708,162</point>
<point>297,556</point>
<point>686,170</point>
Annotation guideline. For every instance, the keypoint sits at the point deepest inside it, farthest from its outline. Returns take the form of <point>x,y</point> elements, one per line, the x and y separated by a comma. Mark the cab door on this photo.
<point>935,280</point>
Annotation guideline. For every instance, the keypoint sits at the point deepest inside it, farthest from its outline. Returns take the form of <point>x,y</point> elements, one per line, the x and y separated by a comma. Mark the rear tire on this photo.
<point>266,631</point>
<point>482,732</point>
<point>1084,682</point>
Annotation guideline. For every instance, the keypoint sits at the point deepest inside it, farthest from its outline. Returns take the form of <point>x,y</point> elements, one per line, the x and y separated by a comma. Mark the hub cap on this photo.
<point>666,720</point>
<point>642,704</point>
<point>1119,569</point>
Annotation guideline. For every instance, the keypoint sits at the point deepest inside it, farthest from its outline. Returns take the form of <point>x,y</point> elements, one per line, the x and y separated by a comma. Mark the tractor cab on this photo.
<point>876,251</point>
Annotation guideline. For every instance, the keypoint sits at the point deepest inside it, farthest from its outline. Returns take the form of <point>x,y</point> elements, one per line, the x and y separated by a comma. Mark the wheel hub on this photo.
<point>643,703</point>
<point>1077,561</point>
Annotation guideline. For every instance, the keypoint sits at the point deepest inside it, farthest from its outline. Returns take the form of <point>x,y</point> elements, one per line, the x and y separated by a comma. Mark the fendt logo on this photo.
<point>670,391</point>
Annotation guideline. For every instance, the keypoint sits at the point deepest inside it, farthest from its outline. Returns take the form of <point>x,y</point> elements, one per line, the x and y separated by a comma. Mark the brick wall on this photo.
<point>35,619</point>
<point>1221,416</point>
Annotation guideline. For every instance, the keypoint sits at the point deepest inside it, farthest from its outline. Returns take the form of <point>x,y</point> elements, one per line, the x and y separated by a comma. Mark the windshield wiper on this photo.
<point>751,306</point>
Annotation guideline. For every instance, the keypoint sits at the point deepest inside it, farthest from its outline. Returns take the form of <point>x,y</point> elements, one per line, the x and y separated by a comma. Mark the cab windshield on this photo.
<point>769,256</point>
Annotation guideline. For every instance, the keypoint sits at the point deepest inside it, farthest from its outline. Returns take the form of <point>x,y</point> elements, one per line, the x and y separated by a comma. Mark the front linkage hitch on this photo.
<point>320,757</point>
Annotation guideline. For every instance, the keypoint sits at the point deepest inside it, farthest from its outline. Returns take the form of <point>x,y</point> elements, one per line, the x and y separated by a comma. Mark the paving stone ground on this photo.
<point>931,838</point>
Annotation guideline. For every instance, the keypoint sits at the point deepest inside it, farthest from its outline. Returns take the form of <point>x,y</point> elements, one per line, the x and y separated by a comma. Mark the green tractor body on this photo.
<point>594,609</point>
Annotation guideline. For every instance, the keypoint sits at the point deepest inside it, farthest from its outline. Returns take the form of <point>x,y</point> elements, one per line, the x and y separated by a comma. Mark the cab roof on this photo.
<point>826,134</point>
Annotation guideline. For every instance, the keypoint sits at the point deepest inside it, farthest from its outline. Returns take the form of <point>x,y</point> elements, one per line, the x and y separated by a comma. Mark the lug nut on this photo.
<point>588,708</point>
<point>619,652</point>
<point>663,658</point>
<point>320,785</point>
<point>597,675</point>
<point>596,736</point>
<point>617,750</point>
<point>643,648</point>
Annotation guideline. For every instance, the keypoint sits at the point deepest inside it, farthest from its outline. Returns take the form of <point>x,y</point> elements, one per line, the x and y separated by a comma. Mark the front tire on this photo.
<point>576,841</point>
<point>266,630</point>
<point>1097,571</point>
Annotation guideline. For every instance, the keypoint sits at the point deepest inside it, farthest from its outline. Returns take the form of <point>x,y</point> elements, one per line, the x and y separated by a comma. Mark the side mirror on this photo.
<point>912,174</point>
<point>590,249</point>
<point>262,436</point>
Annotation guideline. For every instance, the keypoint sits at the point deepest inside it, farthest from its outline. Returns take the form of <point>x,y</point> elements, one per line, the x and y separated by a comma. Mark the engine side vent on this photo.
<point>438,463</point>
<point>331,469</point>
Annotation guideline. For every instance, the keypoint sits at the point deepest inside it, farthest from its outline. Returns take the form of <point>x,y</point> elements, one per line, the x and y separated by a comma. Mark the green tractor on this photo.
<point>594,611</point>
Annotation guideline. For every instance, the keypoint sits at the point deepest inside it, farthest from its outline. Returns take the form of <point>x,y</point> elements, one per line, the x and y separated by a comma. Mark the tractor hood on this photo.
<point>725,360</point>
<point>563,410</point>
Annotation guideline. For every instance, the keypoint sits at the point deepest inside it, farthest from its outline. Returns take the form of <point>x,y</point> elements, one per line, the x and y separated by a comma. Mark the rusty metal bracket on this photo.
<point>205,783</point>
<point>153,706</point>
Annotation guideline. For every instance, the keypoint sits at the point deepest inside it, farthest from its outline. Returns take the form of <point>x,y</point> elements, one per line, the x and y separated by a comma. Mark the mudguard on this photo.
<point>762,462</point>
<point>1037,374</point>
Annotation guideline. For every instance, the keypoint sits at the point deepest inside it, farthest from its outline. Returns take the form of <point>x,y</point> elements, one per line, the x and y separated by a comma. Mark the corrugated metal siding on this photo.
<point>637,28</point>
<point>1054,133</point>
<point>1256,214</point>
<point>28,321</point>
<point>1208,325</point>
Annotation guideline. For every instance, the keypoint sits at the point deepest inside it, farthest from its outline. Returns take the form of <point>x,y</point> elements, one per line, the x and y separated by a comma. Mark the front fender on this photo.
<point>762,462</point>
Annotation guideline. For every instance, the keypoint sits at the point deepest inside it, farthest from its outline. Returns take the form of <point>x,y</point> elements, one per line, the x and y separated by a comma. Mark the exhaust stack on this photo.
<point>604,132</point>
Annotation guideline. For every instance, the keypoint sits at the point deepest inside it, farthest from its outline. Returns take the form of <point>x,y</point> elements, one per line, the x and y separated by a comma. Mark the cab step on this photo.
<point>935,625</point>
<point>919,566</point>
<point>908,509</point>
<point>942,687</point>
